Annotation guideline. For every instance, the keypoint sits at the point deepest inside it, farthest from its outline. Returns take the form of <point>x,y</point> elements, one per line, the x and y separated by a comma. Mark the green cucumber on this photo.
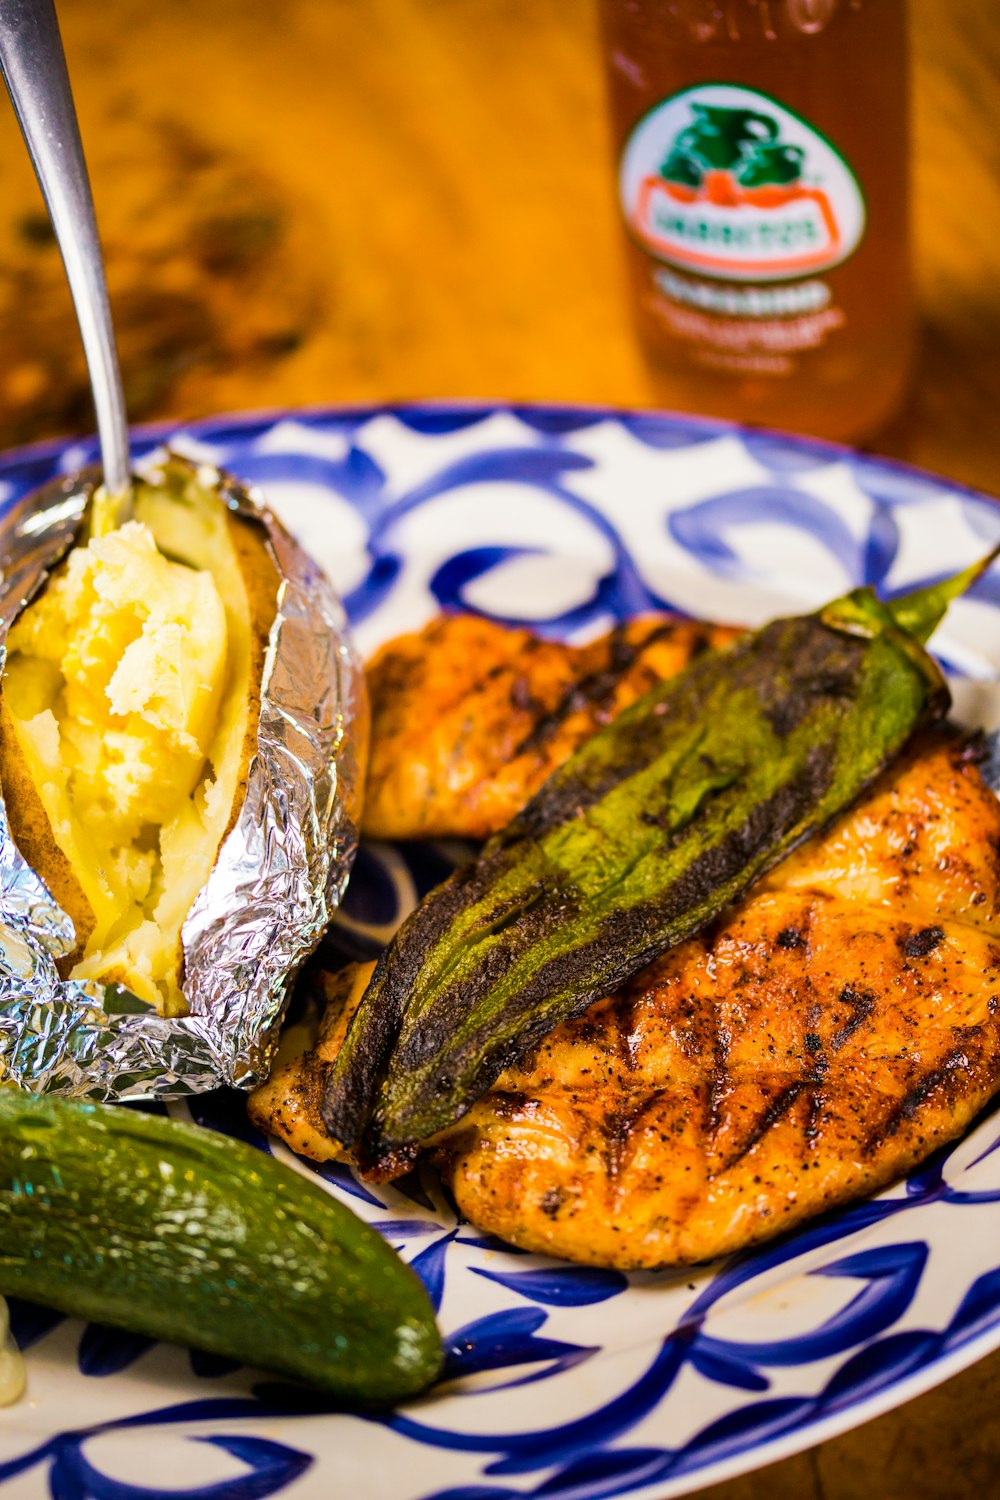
<point>646,833</point>
<point>175,1232</point>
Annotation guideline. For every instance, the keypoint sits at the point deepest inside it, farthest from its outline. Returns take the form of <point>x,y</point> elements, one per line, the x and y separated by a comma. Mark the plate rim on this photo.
<point>487,406</point>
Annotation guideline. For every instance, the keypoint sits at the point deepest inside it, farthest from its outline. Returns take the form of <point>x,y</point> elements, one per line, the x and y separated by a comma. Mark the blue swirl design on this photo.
<point>574,1286</point>
<point>268,1466</point>
<point>502,1340</point>
<point>30,1323</point>
<point>894,1302</point>
<point>701,528</point>
<point>783,454</point>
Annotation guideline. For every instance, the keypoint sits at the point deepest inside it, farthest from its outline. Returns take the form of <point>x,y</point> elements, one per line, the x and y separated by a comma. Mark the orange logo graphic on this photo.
<point>794,242</point>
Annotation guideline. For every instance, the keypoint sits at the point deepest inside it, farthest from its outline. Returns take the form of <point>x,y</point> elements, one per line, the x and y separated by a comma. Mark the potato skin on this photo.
<point>32,833</point>
<point>261,580</point>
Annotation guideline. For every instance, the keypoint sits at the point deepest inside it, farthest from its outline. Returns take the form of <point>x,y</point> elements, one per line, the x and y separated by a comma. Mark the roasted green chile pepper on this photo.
<point>642,837</point>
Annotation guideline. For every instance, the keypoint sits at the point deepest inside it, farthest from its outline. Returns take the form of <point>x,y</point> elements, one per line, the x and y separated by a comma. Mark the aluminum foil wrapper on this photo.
<point>278,877</point>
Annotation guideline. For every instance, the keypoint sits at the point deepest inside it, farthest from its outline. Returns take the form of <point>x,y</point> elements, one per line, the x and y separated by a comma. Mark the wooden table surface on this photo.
<point>324,201</point>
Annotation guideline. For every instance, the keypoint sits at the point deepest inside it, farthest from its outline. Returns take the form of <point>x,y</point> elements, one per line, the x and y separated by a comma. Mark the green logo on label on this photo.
<point>728,182</point>
<point>741,141</point>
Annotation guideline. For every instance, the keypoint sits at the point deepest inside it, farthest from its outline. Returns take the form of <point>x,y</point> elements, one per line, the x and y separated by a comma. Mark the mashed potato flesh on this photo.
<point>125,684</point>
<point>138,646</point>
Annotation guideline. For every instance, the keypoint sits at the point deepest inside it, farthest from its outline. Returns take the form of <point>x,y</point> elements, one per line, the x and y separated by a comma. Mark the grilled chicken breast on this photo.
<point>826,1035</point>
<point>470,717</point>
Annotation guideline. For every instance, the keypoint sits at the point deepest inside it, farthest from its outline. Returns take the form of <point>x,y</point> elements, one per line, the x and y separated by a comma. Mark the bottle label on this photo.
<point>727,182</point>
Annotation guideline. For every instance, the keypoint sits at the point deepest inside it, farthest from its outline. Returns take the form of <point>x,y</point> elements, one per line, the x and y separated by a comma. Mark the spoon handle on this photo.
<point>34,70</point>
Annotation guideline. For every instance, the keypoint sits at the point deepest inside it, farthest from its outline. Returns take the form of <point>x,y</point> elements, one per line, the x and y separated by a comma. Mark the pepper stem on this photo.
<point>920,613</point>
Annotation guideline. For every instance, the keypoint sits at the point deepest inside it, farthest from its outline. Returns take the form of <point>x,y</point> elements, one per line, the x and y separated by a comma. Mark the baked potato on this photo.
<point>129,707</point>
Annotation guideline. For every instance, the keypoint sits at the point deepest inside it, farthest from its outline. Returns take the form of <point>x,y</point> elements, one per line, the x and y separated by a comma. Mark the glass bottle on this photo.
<point>762,150</point>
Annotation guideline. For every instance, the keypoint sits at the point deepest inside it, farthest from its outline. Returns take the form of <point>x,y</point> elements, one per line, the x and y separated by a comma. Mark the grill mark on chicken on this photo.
<point>624,1028</point>
<point>592,691</point>
<point>914,1099</point>
<point>719,1081</point>
<point>919,944</point>
<point>616,1131</point>
<point>862,1003</point>
<point>775,1111</point>
<point>596,691</point>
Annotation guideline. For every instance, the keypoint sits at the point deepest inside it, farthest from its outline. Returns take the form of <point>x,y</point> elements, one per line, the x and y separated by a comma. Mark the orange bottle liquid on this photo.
<point>762,150</point>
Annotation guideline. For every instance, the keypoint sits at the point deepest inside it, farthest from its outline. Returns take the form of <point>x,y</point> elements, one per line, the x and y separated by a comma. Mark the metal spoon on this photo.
<point>34,70</point>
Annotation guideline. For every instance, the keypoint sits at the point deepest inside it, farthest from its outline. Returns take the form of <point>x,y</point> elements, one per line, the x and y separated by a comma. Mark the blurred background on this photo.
<point>326,201</point>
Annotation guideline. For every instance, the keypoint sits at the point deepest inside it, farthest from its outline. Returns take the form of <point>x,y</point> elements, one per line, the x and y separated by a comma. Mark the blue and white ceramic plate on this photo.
<point>561,1382</point>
